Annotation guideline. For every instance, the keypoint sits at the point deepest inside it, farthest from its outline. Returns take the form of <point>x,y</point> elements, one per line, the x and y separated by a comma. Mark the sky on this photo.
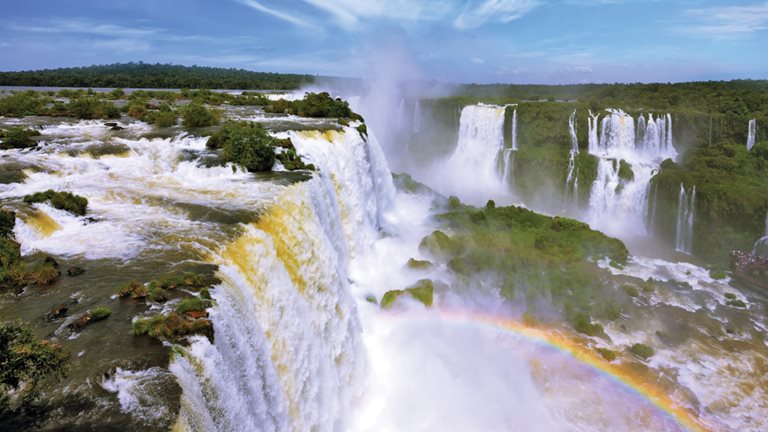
<point>484,41</point>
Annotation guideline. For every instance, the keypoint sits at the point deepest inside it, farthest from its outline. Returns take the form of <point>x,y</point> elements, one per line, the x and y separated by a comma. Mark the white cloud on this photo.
<point>727,22</point>
<point>353,14</point>
<point>477,60</point>
<point>504,11</point>
<point>276,13</point>
<point>82,26</point>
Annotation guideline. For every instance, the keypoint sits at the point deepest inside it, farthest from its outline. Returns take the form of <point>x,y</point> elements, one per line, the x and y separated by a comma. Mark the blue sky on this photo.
<point>519,41</point>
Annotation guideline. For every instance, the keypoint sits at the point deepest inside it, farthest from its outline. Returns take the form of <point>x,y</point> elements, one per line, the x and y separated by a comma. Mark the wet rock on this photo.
<point>51,261</point>
<point>117,128</point>
<point>57,311</point>
<point>80,323</point>
<point>75,271</point>
<point>110,124</point>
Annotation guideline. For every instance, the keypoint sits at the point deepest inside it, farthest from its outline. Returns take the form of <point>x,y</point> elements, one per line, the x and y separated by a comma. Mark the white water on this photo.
<point>514,129</point>
<point>476,170</point>
<point>620,206</point>
<point>686,212</point>
<point>287,354</point>
<point>761,245</point>
<point>572,180</point>
<point>751,133</point>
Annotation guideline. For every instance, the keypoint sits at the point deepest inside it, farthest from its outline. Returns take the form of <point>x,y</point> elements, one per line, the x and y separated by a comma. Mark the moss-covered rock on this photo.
<point>582,324</point>
<point>66,201</point>
<point>100,313</point>
<point>415,264</point>
<point>625,171</point>
<point>7,223</point>
<point>422,291</point>
<point>736,303</point>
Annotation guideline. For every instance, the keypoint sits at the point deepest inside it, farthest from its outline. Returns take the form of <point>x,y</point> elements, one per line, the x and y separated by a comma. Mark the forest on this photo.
<point>160,76</point>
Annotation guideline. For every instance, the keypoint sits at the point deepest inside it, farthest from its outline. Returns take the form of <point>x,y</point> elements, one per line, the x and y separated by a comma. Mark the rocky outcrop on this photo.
<point>750,269</point>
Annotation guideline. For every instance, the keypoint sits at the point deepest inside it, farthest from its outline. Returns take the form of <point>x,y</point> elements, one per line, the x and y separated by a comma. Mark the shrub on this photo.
<point>18,137</point>
<point>28,360</point>
<point>7,222</point>
<point>582,324</point>
<point>197,115</point>
<point>93,108</point>
<point>641,350</point>
<point>164,119</point>
<point>246,144</point>
<point>736,303</point>
<point>100,313</point>
<point>21,104</point>
<point>717,274</point>
<point>66,201</point>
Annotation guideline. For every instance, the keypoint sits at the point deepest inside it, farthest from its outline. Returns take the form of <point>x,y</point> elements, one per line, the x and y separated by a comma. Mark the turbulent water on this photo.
<point>298,348</point>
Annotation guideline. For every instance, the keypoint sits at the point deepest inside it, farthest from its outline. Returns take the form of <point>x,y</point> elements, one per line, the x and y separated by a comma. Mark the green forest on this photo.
<point>161,76</point>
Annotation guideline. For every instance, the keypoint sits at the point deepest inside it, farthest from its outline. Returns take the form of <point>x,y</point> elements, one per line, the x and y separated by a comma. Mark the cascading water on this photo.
<point>476,170</point>
<point>514,130</point>
<point>287,350</point>
<point>761,245</point>
<point>572,181</point>
<point>619,200</point>
<point>751,134</point>
<point>686,212</point>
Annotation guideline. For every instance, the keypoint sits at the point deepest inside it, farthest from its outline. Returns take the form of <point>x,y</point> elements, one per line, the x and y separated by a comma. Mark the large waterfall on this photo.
<point>751,134</point>
<point>619,196</point>
<point>478,167</point>
<point>288,350</point>
<point>686,212</point>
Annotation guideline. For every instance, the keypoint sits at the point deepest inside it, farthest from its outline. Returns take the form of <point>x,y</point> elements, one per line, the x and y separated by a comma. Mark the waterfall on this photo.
<point>573,174</point>
<point>618,204</point>
<point>514,129</point>
<point>751,133</point>
<point>287,350</point>
<point>686,212</point>
<point>417,117</point>
<point>475,168</point>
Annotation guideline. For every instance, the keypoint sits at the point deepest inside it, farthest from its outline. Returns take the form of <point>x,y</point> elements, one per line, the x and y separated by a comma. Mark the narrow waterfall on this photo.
<point>572,181</point>
<point>287,350</point>
<point>751,134</point>
<point>475,169</point>
<point>514,129</point>
<point>619,196</point>
<point>417,117</point>
<point>686,212</point>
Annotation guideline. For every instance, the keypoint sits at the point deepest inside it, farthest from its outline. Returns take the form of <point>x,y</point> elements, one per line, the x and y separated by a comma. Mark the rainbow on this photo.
<point>617,372</point>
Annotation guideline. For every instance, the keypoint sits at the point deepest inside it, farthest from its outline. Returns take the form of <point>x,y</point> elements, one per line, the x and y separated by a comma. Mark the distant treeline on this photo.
<point>145,75</point>
<point>738,97</point>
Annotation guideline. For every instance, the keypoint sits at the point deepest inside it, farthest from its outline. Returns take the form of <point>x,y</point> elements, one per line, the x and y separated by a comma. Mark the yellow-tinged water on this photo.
<point>43,224</point>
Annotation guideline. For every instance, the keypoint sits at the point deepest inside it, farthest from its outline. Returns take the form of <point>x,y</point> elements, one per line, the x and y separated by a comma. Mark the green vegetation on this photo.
<point>641,350</point>
<point>16,272</point>
<point>625,171</point>
<point>195,114</point>
<point>144,75</point>
<point>17,137</point>
<point>539,258</point>
<point>93,108</point>
<point>172,327</point>
<point>7,222</point>
<point>607,354</point>
<point>736,303</point>
<point>245,143</point>
<point>415,264</point>
<point>27,364</point>
<point>100,313</point>
<point>718,274</point>
<point>192,304</point>
<point>421,291</point>
<point>66,201</point>
<point>314,105</point>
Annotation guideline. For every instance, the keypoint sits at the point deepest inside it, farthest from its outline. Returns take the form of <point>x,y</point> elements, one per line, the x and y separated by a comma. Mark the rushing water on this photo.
<point>297,346</point>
